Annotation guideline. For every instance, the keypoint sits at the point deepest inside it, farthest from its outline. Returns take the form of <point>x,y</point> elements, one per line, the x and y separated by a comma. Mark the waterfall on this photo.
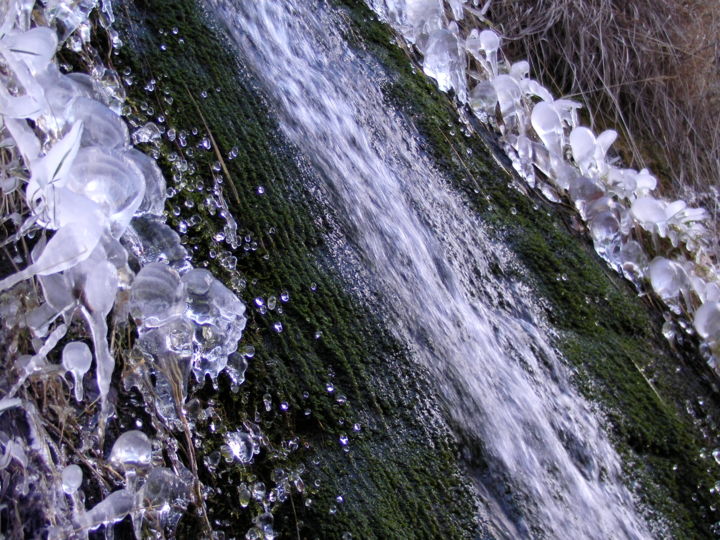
<point>482,338</point>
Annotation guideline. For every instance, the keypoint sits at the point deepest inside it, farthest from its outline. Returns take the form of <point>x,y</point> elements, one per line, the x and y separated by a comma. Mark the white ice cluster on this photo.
<point>634,230</point>
<point>92,206</point>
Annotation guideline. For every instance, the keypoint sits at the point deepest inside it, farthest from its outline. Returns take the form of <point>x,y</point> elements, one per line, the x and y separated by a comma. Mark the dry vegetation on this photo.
<point>648,68</point>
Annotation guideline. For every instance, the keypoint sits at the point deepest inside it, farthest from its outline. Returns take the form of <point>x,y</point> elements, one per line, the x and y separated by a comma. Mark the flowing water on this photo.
<point>505,388</point>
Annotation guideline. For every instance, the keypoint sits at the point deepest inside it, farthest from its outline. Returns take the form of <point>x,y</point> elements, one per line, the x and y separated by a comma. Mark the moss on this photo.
<point>400,478</point>
<point>607,333</point>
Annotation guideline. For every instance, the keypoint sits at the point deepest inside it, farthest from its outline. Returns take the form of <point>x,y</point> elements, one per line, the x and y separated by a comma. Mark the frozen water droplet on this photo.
<point>132,448</point>
<point>157,294</point>
<point>76,358</point>
<point>258,491</point>
<point>148,133</point>
<point>648,211</point>
<point>244,495</point>
<point>344,441</point>
<point>72,476</point>
<point>707,320</point>
<point>278,327</point>
<point>667,277</point>
<point>240,445</point>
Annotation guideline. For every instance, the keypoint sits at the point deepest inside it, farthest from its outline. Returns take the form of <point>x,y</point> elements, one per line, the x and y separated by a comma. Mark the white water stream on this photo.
<point>481,339</point>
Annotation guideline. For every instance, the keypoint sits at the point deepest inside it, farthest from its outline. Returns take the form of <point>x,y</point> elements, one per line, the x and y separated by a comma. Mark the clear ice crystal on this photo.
<point>156,295</point>
<point>153,241</point>
<point>667,277</point>
<point>220,317</point>
<point>132,448</point>
<point>707,320</point>
<point>110,180</point>
<point>240,446</point>
<point>444,61</point>
<point>77,358</point>
<point>155,186</point>
<point>102,127</point>
<point>72,476</point>
<point>112,509</point>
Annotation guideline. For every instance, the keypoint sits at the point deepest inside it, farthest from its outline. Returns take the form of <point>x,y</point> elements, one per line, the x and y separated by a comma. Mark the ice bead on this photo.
<point>77,358</point>
<point>236,367</point>
<point>520,70</point>
<point>61,90</point>
<point>584,191</point>
<point>112,509</point>
<point>582,143</point>
<point>667,277</point>
<point>57,291</point>
<point>604,228</point>
<point>707,320</point>
<point>421,17</point>
<point>240,446</point>
<point>72,476</point>
<point>509,95</point>
<point>483,98</point>
<point>221,316</point>
<point>151,240</point>
<point>148,133</point>
<point>490,43</point>
<point>164,487</point>
<point>210,301</point>
<point>131,449</point>
<point>568,111</point>
<point>645,181</point>
<point>173,341</point>
<point>445,62</point>
<point>634,260</point>
<point>102,126</point>
<point>100,287</point>
<point>157,295</point>
<point>548,125</point>
<point>648,211</point>
<point>110,180</point>
<point>155,186</point>
<point>532,88</point>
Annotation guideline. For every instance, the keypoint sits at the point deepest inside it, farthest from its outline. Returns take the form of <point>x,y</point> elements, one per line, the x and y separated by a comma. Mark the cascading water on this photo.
<point>503,383</point>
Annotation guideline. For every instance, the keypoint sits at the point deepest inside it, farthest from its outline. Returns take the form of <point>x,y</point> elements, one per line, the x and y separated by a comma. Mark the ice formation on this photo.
<point>626,221</point>
<point>92,210</point>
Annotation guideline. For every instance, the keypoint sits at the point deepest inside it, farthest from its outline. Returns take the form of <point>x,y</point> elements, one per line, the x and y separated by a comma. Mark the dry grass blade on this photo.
<point>648,68</point>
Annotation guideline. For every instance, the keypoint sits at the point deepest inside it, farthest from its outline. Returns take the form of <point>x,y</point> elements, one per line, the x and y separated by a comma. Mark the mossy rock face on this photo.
<point>401,477</point>
<point>330,373</point>
<point>662,402</point>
